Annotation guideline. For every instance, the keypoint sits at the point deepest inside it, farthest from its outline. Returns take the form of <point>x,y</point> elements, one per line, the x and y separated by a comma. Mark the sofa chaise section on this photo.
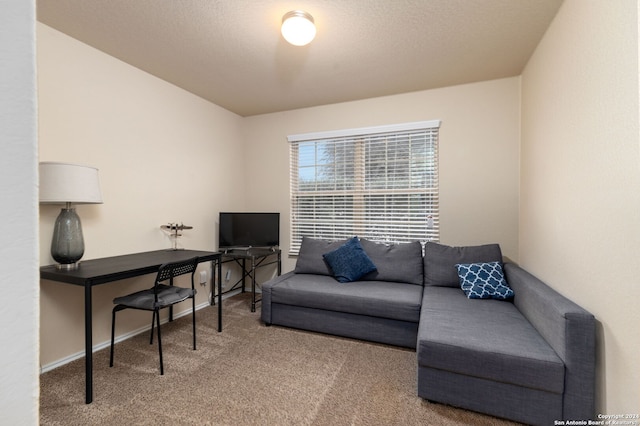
<point>531,359</point>
<point>485,356</point>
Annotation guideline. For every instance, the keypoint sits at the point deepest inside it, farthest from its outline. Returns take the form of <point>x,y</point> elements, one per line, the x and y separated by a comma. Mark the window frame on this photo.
<point>362,139</point>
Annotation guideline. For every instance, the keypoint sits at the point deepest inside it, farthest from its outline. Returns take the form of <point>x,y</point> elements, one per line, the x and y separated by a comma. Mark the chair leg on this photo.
<point>113,332</point>
<point>153,320</point>
<point>157,315</point>
<point>193,314</point>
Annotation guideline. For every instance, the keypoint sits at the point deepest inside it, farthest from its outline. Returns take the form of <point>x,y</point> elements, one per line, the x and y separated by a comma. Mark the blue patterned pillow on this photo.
<point>484,281</point>
<point>349,262</point>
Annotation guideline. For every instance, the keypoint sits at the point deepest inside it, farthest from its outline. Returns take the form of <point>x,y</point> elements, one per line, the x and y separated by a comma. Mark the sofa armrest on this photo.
<point>569,330</point>
<point>265,313</point>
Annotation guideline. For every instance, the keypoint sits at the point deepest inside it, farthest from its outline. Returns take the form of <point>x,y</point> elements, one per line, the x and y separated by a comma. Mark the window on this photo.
<point>378,183</point>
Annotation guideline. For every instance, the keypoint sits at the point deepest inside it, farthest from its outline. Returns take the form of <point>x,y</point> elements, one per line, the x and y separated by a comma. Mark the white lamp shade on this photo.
<point>69,183</point>
<point>298,27</point>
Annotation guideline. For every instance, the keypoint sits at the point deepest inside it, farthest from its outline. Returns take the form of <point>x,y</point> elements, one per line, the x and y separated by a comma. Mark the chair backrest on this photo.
<point>173,269</point>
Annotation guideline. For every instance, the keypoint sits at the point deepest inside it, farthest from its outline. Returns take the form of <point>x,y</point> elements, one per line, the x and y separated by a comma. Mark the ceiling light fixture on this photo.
<point>298,27</point>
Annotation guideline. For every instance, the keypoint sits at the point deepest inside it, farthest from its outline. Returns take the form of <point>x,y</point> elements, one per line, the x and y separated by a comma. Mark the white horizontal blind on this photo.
<point>377,184</point>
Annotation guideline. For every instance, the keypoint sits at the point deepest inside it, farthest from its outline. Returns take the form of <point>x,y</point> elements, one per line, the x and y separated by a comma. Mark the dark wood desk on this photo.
<point>105,270</point>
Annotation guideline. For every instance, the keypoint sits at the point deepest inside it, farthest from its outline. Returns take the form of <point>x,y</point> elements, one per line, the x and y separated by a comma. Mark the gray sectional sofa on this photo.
<point>530,358</point>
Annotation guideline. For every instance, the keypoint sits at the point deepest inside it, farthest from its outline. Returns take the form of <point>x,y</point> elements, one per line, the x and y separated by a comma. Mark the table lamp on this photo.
<point>63,183</point>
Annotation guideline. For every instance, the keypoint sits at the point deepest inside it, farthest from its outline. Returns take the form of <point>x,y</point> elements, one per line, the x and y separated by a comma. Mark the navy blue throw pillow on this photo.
<point>349,262</point>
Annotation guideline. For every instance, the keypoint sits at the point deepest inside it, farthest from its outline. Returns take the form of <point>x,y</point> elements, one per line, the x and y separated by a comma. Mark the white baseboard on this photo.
<point>122,337</point>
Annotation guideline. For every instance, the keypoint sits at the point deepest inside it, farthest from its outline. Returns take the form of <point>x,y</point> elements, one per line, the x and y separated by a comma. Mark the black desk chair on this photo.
<point>158,297</point>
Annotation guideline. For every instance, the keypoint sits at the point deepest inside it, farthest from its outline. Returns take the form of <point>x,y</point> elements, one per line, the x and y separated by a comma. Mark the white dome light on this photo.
<point>298,27</point>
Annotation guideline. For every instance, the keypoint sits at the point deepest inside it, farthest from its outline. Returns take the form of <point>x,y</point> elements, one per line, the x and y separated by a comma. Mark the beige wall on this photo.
<point>580,185</point>
<point>164,156</point>
<point>479,149</point>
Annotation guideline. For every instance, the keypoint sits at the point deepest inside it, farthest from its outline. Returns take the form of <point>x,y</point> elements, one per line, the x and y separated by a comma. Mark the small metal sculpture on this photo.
<point>175,231</point>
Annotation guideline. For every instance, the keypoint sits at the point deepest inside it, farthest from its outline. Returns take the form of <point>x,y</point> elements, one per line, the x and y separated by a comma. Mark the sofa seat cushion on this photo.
<point>381,299</point>
<point>488,339</point>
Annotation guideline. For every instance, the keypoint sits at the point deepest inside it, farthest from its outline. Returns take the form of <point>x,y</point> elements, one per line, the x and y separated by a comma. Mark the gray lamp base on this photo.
<point>67,244</point>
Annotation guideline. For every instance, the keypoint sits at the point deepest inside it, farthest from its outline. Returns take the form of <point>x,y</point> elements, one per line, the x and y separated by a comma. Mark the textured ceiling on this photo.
<point>230,52</point>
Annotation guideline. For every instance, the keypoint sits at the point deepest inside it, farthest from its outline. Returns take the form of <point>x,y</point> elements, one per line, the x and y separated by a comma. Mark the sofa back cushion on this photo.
<point>440,261</point>
<point>395,262</point>
<point>310,260</point>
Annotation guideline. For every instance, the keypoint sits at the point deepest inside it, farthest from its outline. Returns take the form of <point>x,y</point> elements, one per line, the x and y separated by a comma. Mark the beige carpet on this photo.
<point>247,375</point>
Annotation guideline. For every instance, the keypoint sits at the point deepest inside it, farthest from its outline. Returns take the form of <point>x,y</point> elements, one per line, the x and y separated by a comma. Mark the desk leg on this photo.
<point>219,261</point>
<point>253,284</point>
<point>88,344</point>
<point>244,273</point>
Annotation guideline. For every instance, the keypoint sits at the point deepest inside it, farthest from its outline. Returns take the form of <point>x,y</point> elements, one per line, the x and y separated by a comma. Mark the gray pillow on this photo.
<point>310,260</point>
<point>440,261</point>
<point>396,262</point>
